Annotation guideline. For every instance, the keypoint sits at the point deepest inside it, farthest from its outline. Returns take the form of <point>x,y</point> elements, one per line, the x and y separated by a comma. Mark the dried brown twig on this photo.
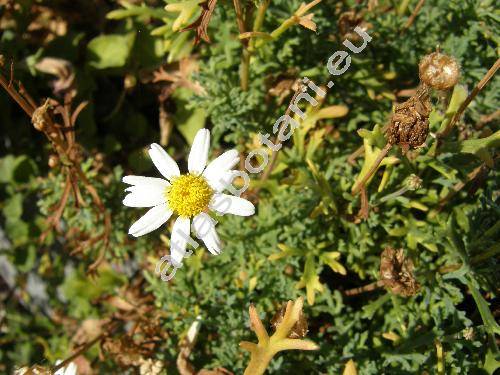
<point>413,15</point>
<point>201,24</point>
<point>79,352</point>
<point>245,56</point>
<point>68,151</point>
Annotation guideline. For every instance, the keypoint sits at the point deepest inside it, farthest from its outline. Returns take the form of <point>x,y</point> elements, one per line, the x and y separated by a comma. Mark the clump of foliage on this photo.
<point>94,85</point>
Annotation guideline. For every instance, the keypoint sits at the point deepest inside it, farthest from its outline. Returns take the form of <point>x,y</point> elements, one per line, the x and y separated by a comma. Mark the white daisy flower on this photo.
<point>190,196</point>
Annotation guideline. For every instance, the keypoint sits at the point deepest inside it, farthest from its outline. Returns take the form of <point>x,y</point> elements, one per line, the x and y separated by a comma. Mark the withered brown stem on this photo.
<point>484,81</point>
<point>245,56</point>
<point>79,352</point>
<point>413,15</point>
<point>366,288</point>
<point>62,138</point>
<point>16,96</point>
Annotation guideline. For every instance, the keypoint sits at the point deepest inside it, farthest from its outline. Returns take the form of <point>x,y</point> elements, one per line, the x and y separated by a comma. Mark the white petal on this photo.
<point>198,156</point>
<point>71,369</point>
<point>163,162</point>
<point>204,227</point>
<point>221,180</point>
<point>229,204</point>
<point>145,196</point>
<point>141,180</point>
<point>179,240</point>
<point>151,221</point>
<point>224,162</point>
<point>61,370</point>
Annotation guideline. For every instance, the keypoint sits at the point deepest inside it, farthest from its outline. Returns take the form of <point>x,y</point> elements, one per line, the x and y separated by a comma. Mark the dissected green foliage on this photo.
<point>307,237</point>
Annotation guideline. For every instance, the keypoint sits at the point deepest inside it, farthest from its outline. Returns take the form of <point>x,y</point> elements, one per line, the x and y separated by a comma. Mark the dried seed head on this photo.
<point>397,272</point>
<point>39,117</point>
<point>439,71</point>
<point>298,331</point>
<point>409,124</point>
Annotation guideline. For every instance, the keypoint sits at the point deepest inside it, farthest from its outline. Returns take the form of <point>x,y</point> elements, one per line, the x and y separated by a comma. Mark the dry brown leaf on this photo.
<point>307,22</point>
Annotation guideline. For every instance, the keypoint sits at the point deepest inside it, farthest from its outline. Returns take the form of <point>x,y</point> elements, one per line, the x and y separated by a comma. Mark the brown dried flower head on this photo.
<point>409,124</point>
<point>39,119</point>
<point>396,272</point>
<point>439,71</point>
<point>348,21</point>
<point>298,331</point>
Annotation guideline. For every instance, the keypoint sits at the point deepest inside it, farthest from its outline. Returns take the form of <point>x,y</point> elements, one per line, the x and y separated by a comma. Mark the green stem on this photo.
<point>402,7</point>
<point>245,69</point>
<point>259,19</point>
<point>250,47</point>
<point>395,194</point>
<point>285,26</point>
<point>259,361</point>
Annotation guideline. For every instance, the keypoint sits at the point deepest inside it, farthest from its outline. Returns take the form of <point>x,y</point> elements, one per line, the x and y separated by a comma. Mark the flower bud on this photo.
<point>439,71</point>
<point>413,182</point>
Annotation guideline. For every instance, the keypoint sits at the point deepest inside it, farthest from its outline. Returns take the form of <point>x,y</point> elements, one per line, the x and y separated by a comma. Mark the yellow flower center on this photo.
<point>189,195</point>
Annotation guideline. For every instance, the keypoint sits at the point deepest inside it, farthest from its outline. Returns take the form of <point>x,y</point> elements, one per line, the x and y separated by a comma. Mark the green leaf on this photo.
<point>286,251</point>
<point>370,309</point>
<point>310,280</point>
<point>110,51</point>
<point>489,321</point>
<point>330,259</point>
<point>179,47</point>
<point>478,147</point>
<point>458,97</point>
<point>13,208</point>
<point>16,169</point>
<point>189,122</point>
<point>491,360</point>
<point>7,165</point>
<point>137,11</point>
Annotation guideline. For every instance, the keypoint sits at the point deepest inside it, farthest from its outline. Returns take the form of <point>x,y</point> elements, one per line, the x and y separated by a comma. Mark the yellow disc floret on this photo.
<point>189,195</point>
